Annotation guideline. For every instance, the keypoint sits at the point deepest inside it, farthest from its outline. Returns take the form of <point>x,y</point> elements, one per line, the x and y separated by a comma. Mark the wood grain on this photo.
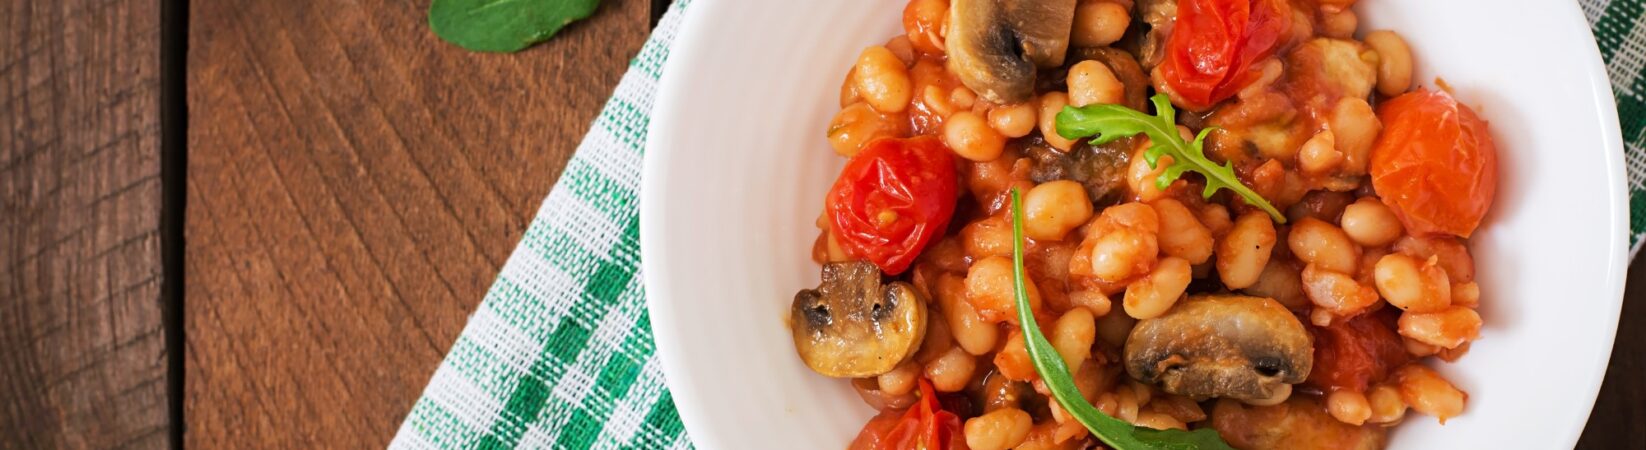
<point>354,186</point>
<point>82,348</point>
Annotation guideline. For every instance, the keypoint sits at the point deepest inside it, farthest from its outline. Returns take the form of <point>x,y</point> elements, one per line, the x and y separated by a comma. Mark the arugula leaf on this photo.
<point>1105,123</point>
<point>1055,373</point>
<point>504,25</point>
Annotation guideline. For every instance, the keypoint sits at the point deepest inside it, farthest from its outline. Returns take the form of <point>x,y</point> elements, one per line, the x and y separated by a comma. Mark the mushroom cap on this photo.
<point>852,326</point>
<point>995,46</point>
<point>1228,346</point>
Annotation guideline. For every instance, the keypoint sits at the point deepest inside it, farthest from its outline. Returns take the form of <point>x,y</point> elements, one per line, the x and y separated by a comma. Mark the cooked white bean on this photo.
<point>1447,328</point>
<point>1466,294</point>
<point>1050,104</point>
<point>1093,300</point>
<point>1394,66</point>
<point>1099,23</point>
<point>1072,336</point>
<point>1052,209</point>
<point>989,288</point>
<point>1429,393</point>
<point>998,430</point>
<point>1371,223</point>
<point>1181,234</point>
<point>1092,83</point>
<point>952,371</point>
<point>975,334</point>
<point>901,380</point>
<point>1151,296</point>
<point>1316,242</point>
<point>1336,293</point>
<point>1339,24</point>
<point>1140,177</point>
<point>1158,421</point>
<point>991,236</point>
<point>1013,121</point>
<point>1319,154</point>
<point>883,80</point>
<point>971,137</point>
<point>857,124</point>
<point>1123,253</point>
<point>1386,404</point>
<point>1348,406</point>
<point>1243,253</point>
<point>1412,285</point>
<point>1449,252</point>
<point>1354,127</point>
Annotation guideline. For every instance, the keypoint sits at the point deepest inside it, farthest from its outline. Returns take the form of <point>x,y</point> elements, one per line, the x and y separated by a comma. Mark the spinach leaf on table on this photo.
<point>504,25</point>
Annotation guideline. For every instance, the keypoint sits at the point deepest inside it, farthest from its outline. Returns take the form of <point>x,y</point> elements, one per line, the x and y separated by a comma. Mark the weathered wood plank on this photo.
<point>82,347</point>
<point>354,185</point>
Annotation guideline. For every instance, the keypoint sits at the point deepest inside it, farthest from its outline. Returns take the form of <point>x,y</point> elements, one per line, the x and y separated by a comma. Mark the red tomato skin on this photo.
<point>912,179</point>
<point>1214,43</point>
<point>1355,353</point>
<point>1434,164</point>
<point>923,426</point>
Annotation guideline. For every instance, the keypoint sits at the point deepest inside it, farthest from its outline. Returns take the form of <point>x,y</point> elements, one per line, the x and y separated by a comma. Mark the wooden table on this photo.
<point>283,265</point>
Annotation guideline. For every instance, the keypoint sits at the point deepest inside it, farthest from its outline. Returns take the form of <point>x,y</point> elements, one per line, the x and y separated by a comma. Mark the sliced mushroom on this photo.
<point>1101,169</point>
<point>1221,346</point>
<point>996,46</point>
<point>1161,15</point>
<point>852,326</point>
<point>1299,423</point>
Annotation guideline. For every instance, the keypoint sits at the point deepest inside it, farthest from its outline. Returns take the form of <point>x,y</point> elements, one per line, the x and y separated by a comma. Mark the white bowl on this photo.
<point>737,166</point>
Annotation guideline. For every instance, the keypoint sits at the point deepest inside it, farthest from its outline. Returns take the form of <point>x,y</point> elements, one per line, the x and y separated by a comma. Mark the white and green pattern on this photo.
<point>560,354</point>
<point>1620,29</point>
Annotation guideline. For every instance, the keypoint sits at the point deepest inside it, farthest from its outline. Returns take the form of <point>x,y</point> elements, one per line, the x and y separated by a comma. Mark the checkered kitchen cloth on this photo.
<point>560,353</point>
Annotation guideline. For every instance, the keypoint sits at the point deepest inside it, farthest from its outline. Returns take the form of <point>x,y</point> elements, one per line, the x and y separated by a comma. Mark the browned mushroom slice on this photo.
<point>1221,346</point>
<point>996,46</point>
<point>1101,169</point>
<point>852,326</point>
<point>1300,423</point>
<point>1161,15</point>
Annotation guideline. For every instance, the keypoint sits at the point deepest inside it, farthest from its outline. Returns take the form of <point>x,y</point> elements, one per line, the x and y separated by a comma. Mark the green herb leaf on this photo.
<point>1105,123</point>
<point>1055,373</point>
<point>504,25</point>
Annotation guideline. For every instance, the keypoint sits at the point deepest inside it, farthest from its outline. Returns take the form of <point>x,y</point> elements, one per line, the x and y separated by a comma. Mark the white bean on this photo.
<point>1243,253</point>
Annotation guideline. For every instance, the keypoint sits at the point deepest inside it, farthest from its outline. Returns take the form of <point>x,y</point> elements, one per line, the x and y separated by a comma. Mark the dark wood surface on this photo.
<point>82,348</point>
<point>1619,418</point>
<point>353,184</point>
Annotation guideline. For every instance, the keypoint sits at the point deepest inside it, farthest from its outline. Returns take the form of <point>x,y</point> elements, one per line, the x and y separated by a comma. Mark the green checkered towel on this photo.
<point>560,354</point>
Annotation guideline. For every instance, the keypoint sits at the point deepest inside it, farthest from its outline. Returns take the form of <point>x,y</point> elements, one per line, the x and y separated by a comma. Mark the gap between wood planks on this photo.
<point>174,164</point>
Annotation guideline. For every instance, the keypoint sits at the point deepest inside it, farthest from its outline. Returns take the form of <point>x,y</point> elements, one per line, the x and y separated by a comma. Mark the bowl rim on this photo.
<point>687,48</point>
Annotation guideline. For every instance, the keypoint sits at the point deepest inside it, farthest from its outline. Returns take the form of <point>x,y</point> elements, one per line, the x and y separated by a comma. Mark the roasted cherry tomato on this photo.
<point>924,426</point>
<point>1355,353</point>
<point>893,197</point>
<point>1213,44</point>
<point>1434,164</point>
